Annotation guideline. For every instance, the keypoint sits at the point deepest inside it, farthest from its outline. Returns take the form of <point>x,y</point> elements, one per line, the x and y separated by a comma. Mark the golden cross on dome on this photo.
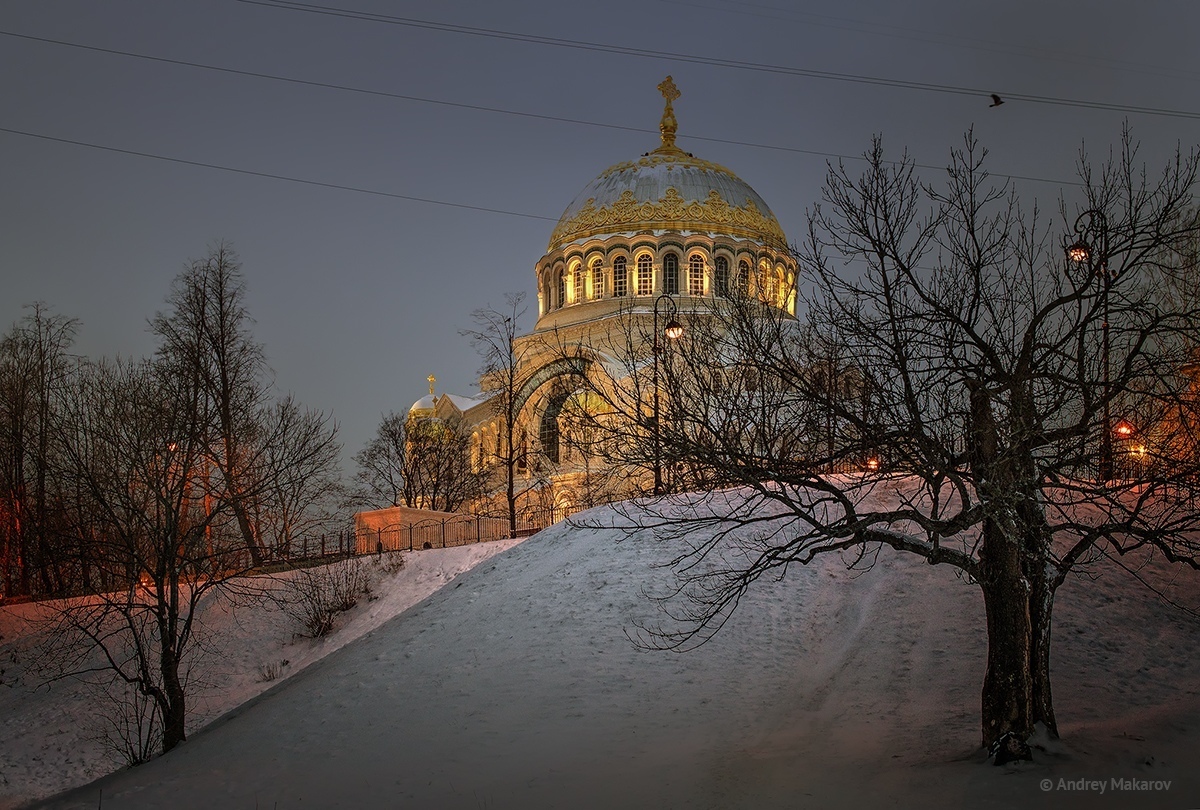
<point>432,379</point>
<point>668,89</point>
<point>668,125</point>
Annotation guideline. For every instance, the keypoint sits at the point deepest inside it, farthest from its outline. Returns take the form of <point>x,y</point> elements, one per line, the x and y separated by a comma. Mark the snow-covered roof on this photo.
<point>425,403</point>
<point>464,404</point>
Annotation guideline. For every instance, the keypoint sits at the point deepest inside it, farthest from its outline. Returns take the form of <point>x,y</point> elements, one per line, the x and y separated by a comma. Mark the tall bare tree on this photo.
<point>974,365</point>
<point>133,443</point>
<point>207,333</point>
<point>167,465</point>
<point>33,367</point>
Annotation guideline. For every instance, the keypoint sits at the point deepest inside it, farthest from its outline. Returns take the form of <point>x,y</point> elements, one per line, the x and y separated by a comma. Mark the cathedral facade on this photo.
<point>664,231</point>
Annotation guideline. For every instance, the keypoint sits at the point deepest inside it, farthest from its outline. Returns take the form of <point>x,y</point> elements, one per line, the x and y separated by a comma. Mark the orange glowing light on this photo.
<point>1124,429</point>
<point>872,464</point>
<point>1079,252</point>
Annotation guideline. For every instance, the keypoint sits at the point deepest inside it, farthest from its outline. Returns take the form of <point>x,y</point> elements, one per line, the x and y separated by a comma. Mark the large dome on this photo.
<point>667,189</point>
<point>665,224</point>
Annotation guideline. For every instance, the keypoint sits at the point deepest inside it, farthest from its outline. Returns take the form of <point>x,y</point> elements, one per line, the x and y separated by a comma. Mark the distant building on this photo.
<point>665,223</point>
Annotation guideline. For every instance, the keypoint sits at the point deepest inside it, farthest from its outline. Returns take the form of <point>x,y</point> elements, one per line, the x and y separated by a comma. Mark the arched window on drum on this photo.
<point>577,291</point>
<point>721,276</point>
<point>671,274</point>
<point>620,277</point>
<point>597,279</point>
<point>645,275</point>
<point>696,275</point>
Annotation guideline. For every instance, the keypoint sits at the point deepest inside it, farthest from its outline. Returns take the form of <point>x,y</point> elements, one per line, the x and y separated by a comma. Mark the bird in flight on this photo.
<point>996,101</point>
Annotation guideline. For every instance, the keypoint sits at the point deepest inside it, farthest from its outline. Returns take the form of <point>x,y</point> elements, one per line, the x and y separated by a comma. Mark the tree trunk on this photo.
<point>247,530</point>
<point>174,714</point>
<point>1007,685</point>
<point>1041,605</point>
<point>232,484</point>
<point>174,706</point>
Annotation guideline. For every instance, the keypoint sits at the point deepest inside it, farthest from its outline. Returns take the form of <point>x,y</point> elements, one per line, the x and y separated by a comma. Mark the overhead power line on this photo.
<point>1093,57</point>
<point>670,56</point>
<point>274,176</point>
<point>464,106</point>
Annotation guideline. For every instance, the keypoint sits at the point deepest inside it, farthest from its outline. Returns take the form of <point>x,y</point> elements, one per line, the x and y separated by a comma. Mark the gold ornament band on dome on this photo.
<point>671,212</point>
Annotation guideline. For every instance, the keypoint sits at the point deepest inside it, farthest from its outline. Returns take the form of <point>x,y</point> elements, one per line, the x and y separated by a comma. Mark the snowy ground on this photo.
<point>517,687</point>
<point>49,741</point>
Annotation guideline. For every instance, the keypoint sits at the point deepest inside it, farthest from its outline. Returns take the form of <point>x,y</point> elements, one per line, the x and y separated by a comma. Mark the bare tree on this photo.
<point>206,333</point>
<point>133,442</point>
<point>441,475</point>
<point>945,398</point>
<point>422,463</point>
<point>303,489</point>
<point>503,376</point>
<point>383,465</point>
<point>167,467</point>
<point>33,366</point>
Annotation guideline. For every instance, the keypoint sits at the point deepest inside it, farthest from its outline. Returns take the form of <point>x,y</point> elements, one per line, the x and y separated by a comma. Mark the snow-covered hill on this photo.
<point>516,686</point>
<point>50,732</point>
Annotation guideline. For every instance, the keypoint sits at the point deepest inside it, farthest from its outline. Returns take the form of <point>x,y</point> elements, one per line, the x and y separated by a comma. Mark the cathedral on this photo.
<point>663,231</point>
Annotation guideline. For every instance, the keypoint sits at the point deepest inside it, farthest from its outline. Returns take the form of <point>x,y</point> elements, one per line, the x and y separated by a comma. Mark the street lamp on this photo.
<point>1124,432</point>
<point>1081,252</point>
<point>673,331</point>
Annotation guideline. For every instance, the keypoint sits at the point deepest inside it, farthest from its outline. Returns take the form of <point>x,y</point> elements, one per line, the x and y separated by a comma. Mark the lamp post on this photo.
<point>1094,221</point>
<point>673,330</point>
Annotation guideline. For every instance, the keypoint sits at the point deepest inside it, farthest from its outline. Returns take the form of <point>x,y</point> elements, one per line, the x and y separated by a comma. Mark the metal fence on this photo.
<point>456,530</point>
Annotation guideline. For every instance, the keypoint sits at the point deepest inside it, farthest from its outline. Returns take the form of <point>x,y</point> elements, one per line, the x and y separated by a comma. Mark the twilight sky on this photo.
<point>358,296</point>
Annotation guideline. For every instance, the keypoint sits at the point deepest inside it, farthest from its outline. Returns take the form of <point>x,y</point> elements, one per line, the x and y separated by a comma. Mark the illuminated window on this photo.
<point>671,274</point>
<point>562,288</point>
<point>645,275</point>
<point>577,282</point>
<point>764,282</point>
<point>743,279</point>
<point>721,276</point>
<point>597,279</point>
<point>620,278</point>
<point>695,274</point>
